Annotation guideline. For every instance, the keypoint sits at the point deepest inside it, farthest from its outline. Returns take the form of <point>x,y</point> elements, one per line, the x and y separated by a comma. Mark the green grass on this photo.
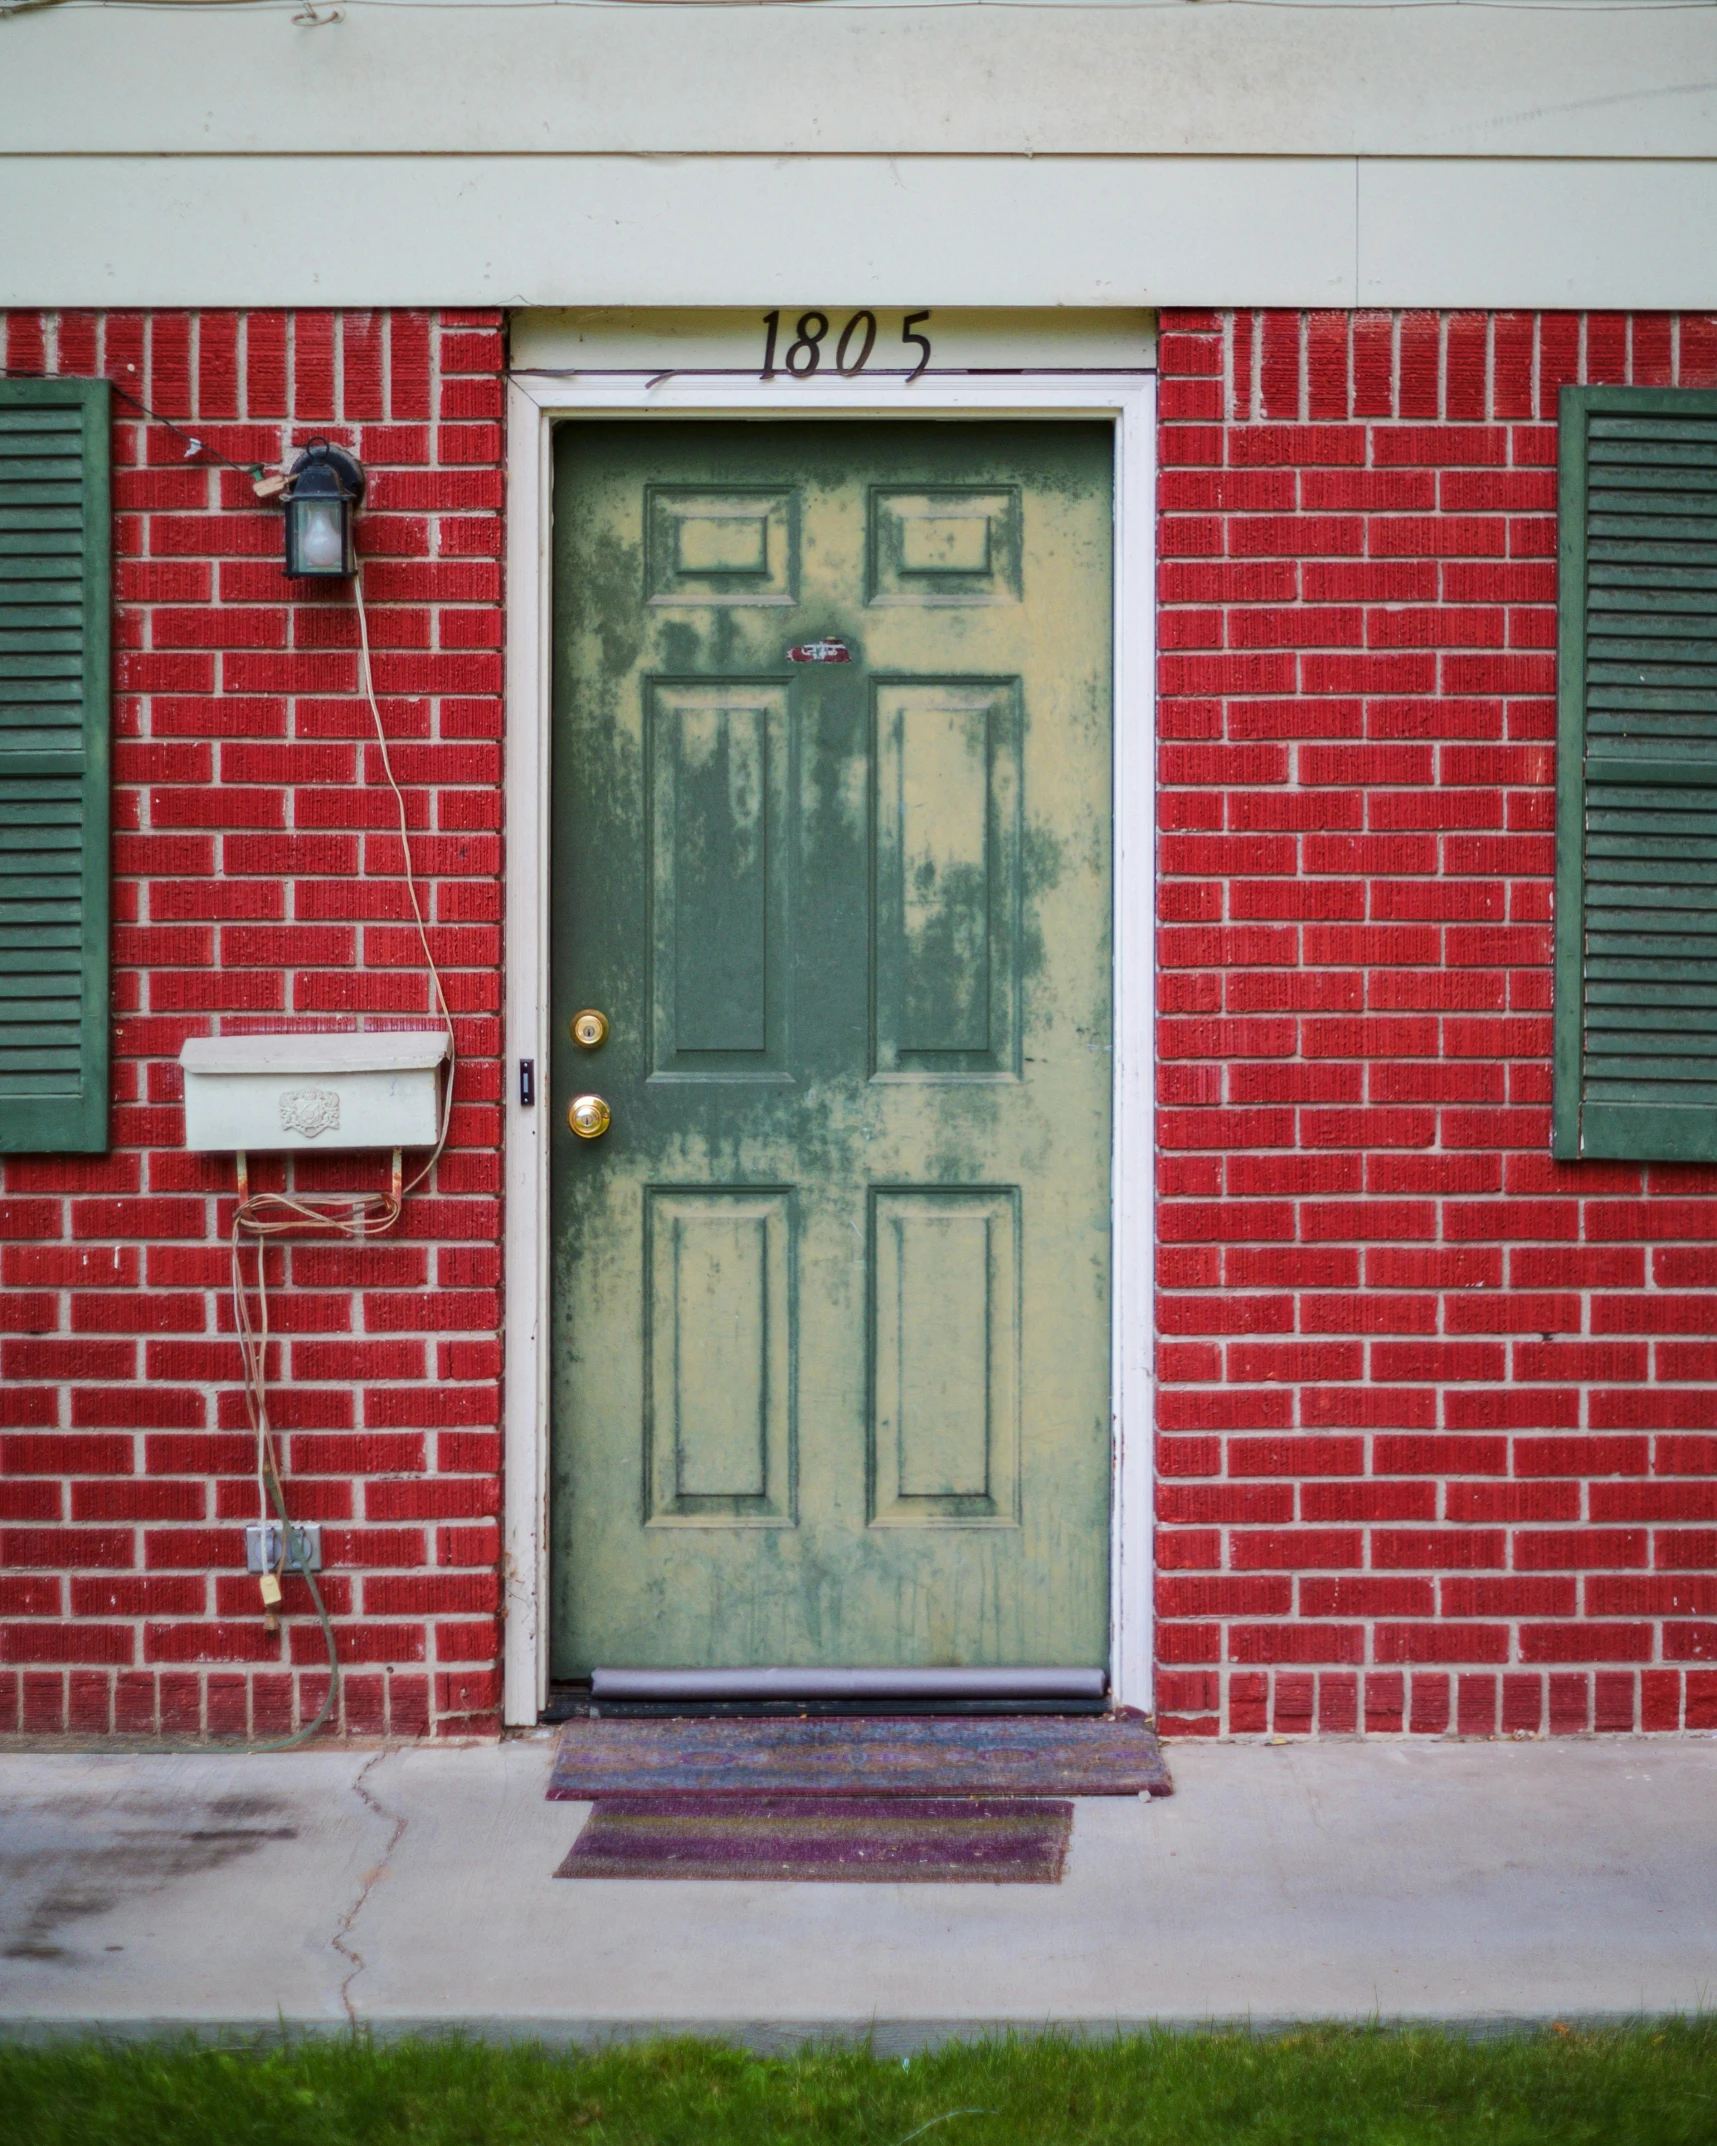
<point>1655,2084</point>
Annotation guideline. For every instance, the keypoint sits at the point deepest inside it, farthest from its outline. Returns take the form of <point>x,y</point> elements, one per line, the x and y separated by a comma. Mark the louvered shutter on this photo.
<point>54,724</point>
<point>1636,829</point>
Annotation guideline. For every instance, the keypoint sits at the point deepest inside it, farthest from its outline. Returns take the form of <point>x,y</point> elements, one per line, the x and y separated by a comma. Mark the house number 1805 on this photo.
<point>851,349</point>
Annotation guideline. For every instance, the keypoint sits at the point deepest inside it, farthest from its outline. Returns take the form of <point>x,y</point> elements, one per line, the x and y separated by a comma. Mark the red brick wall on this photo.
<point>1437,1413</point>
<point>254,884</point>
<point>1439,1418</point>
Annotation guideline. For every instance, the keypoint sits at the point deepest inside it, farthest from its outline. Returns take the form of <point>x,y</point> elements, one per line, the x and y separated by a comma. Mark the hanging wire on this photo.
<point>193,444</point>
<point>308,13</point>
<point>261,1216</point>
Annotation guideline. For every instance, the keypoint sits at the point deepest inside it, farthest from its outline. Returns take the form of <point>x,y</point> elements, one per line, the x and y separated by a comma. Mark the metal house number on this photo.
<point>852,348</point>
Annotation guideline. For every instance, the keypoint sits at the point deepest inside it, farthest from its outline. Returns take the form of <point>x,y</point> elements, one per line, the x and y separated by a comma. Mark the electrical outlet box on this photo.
<point>262,1547</point>
<point>262,1093</point>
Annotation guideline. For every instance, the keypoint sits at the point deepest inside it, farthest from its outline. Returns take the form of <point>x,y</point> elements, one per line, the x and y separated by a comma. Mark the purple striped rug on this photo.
<point>894,1840</point>
<point>926,1755</point>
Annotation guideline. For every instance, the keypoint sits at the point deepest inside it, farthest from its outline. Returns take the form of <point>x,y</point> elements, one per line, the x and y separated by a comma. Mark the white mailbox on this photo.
<point>257,1093</point>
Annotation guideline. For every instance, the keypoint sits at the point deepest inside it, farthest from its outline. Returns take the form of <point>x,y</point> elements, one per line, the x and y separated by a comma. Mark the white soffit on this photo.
<point>757,232</point>
<point>1635,80</point>
<point>1115,339</point>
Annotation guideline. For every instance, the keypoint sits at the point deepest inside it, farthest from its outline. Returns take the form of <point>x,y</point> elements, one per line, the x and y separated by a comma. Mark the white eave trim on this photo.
<point>511,230</point>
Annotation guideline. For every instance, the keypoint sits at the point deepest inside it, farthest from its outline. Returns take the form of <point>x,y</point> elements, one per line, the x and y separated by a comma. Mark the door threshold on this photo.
<point>863,1687</point>
<point>575,1703</point>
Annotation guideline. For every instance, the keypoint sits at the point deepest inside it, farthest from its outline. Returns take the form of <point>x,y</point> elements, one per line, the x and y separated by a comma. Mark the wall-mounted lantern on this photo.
<point>321,498</point>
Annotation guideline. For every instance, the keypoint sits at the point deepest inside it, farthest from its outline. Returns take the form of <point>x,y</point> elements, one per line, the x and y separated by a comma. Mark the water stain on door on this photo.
<point>831,813</point>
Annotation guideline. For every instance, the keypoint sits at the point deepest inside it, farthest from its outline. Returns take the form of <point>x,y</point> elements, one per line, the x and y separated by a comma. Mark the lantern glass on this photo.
<point>326,483</point>
<point>316,536</point>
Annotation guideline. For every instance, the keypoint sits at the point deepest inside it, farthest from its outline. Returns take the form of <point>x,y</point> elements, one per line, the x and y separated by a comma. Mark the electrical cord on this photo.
<point>260,1216</point>
<point>308,12</point>
<point>193,445</point>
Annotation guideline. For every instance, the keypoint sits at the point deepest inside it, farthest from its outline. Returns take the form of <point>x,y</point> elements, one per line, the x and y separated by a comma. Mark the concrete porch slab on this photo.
<point>410,1889</point>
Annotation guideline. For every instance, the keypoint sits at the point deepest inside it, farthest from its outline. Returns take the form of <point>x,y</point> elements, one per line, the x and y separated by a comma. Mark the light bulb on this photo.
<point>320,549</point>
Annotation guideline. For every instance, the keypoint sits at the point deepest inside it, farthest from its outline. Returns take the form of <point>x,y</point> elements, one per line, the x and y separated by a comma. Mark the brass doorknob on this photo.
<point>589,1116</point>
<point>590,1029</point>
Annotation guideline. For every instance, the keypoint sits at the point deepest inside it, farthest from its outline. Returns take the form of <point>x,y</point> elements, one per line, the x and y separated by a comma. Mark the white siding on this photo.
<point>1635,80</point>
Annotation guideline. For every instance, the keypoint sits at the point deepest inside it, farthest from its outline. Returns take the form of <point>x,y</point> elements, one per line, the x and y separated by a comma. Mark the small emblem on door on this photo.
<point>828,651</point>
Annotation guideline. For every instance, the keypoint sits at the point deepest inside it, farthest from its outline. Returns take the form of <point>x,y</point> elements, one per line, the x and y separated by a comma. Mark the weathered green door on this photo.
<point>831,854</point>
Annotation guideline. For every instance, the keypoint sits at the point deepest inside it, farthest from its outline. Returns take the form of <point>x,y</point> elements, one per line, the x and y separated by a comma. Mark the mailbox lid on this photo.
<point>380,1051</point>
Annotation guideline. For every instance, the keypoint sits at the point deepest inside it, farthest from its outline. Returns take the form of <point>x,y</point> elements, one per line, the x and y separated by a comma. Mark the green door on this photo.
<point>831,855</point>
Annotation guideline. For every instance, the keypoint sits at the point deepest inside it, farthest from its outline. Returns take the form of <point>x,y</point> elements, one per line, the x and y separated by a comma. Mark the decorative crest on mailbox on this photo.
<point>310,1111</point>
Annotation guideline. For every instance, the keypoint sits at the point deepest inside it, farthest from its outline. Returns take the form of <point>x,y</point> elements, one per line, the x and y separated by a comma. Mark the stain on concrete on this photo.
<point>85,1856</point>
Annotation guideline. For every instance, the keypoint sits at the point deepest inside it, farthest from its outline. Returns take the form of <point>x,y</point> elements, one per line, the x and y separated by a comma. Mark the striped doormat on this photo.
<point>915,1840</point>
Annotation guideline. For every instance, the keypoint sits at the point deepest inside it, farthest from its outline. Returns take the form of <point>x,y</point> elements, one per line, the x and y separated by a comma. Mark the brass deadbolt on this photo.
<point>590,1029</point>
<point>589,1116</point>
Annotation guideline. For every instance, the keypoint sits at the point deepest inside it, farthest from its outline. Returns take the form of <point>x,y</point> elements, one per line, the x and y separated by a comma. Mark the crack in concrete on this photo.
<point>371,1879</point>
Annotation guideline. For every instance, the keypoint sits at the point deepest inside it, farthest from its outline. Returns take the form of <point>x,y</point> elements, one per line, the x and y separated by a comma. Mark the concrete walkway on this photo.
<point>411,1889</point>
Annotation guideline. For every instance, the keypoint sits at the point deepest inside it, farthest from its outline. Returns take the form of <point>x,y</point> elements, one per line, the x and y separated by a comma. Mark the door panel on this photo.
<point>945,1364</point>
<point>721,1371</point>
<point>946,876</point>
<point>831,823</point>
<point>719,815</point>
<point>946,547</point>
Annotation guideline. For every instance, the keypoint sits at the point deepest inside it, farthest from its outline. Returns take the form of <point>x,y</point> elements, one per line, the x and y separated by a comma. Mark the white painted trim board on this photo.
<point>982,231</point>
<point>534,404</point>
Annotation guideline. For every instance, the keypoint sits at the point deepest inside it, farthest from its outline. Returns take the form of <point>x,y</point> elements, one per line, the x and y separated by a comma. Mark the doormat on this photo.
<point>943,1755</point>
<point>864,1840</point>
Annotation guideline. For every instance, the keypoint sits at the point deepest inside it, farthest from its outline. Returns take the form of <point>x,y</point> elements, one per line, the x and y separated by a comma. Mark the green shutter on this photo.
<point>54,723</point>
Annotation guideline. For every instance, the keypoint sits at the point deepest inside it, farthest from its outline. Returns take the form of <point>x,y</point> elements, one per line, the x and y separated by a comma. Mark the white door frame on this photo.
<point>535,401</point>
